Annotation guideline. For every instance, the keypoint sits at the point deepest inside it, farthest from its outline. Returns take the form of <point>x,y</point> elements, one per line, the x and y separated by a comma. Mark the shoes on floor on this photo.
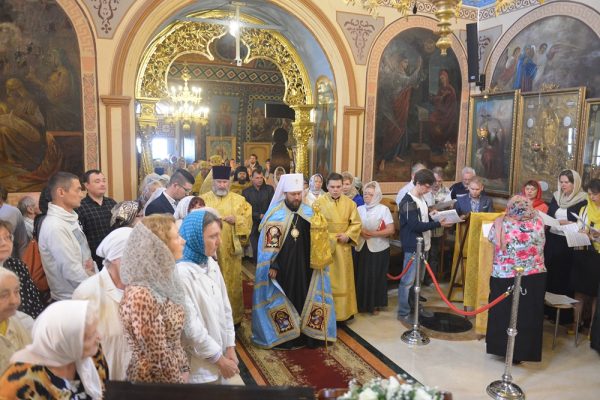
<point>422,299</point>
<point>424,313</point>
<point>406,318</point>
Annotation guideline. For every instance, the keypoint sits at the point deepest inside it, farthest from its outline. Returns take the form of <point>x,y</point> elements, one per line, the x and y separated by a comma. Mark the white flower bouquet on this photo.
<point>394,388</point>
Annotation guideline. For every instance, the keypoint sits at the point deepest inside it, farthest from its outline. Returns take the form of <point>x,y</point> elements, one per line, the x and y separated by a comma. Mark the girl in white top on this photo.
<point>314,190</point>
<point>374,251</point>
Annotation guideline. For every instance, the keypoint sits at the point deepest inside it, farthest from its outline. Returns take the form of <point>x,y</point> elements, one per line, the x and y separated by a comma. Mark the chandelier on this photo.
<point>185,104</point>
<point>444,11</point>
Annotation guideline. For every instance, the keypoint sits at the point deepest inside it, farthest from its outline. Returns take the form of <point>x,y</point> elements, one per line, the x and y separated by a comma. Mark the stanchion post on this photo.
<point>415,336</point>
<point>505,388</point>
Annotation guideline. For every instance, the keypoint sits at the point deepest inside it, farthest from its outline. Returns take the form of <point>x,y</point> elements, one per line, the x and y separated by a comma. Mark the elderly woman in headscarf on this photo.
<point>373,251</point>
<point>212,347</point>
<point>125,214</point>
<point>106,290</point>
<point>565,206</point>
<point>186,206</point>
<point>350,190</point>
<point>14,330</point>
<point>315,190</point>
<point>518,239</point>
<point>63,361</point>
<point>152,309</point>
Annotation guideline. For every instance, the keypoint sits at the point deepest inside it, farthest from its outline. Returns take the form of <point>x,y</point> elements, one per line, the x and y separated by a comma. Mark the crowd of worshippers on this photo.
<point>151,290</point>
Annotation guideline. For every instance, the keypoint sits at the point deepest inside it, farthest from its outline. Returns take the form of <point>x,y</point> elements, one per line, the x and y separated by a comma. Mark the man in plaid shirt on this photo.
<point>95,211</point>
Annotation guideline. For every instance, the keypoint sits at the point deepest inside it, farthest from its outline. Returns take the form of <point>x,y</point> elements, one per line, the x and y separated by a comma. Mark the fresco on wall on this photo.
<point>40,97</point>
<point>555,50</point>
<point>418,93</point>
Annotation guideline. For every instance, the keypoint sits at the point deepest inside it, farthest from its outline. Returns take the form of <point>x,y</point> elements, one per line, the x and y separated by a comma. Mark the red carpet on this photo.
<point>350,357</point>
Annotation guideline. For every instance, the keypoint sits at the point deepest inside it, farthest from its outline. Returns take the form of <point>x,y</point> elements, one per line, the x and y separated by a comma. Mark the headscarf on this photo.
<point>519,208</point>
<point>148,262</point>
<point>154,196</point>
<point>347,176</point>
<point>287,183</point>
<point>181,211</point>
<point>377,196</point>
<point>192,230</point>
<point>58,334</point>
<point>538,197</point>
<point>576,196</point>
<point>124,213</point>
<point>275,179</point>
<point>112,246</point>
<point>311,185</point>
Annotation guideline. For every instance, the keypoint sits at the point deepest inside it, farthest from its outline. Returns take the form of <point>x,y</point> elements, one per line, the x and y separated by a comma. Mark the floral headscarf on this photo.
<point>519,208</point>
<point>124,213</point>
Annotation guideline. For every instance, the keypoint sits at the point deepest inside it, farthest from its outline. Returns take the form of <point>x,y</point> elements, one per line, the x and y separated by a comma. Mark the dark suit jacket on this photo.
<point>463,204</point>
<point>160,205</point>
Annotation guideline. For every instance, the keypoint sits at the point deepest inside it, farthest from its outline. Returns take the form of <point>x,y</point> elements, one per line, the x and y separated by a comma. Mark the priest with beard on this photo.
<point>292,300</point>
<point>240,180</point>
<point>236,215</point>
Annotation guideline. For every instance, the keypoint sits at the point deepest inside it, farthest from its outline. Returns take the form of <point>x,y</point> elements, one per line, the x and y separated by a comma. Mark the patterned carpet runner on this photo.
<point>350,357</point>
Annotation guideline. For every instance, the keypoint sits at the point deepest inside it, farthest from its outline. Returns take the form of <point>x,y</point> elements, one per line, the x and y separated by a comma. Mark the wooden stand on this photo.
<point>459,261</point>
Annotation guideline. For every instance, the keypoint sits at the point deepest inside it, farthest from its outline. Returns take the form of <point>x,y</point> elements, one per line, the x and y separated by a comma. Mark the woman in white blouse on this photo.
<point>373,251</point>
<point>210,342</point>
<point>314,190</point>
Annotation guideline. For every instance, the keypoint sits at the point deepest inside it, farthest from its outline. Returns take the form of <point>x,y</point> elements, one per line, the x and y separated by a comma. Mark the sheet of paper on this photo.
<point>486,229</point>
<point>450,216</point>
<point>558,299</point>
<point>577,239</point>
<point>443,205</point>
<point>588,226</point>
<point>548,220</point>
<point>573,227</point>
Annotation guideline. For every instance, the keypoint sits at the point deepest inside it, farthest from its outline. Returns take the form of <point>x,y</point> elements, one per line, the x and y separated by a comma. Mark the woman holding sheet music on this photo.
<point>518,238</point>
<point>373,251</point>
<point>585,276</point>
<point>565,205</point>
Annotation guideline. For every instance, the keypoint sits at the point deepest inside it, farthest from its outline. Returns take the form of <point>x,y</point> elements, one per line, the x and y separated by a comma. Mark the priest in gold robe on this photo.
<point>344,230</point>
<point>236,215</point>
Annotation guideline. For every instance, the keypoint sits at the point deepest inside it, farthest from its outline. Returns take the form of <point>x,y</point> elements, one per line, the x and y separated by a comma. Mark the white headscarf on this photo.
<point>153,197</point>
<point>112,246</point>
<point>58,335</point>
<point>181,211</point>
<point>287,183</point>
<point>377,195</point>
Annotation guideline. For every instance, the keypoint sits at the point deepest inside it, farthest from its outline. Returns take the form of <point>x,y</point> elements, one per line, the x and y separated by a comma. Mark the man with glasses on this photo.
<point>236,215</point>
<point>180,185</point>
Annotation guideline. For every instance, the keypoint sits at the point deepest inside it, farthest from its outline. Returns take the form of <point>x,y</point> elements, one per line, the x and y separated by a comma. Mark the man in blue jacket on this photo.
<point>414,223</point>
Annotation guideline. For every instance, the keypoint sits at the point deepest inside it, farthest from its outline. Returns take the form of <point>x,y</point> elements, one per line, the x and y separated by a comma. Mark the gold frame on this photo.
<point>259,148</point>
<point>535,144</point>
<point>586,148</point>
<point>212,140</point>
<point>318,102</point>
<point>472,134</point>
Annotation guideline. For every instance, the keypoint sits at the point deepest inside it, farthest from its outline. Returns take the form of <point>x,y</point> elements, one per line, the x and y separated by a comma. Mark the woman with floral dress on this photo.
<point>518,239</point>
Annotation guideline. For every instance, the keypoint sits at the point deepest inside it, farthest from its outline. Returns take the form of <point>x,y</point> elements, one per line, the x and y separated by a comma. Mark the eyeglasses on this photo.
<point>7,239</point>
<point>186,190</point>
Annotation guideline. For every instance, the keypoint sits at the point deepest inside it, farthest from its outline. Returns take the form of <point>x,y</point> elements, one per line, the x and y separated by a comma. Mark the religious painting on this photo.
<point>223,117</point>
<point>282,320</point>
<point>490,141</point>
<point>548,136</point>
<point>261,149</point>
<point>260,128</point>
<point>40,95</point>
<point>322,154</point>
<point>554,50</point>
<point>418,108</point>
<point>221,145</point>
<point>591,142</point>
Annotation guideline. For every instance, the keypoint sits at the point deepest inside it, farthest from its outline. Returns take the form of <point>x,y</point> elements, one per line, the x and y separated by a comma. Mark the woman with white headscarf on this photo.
<point>373,251</point>
<point>63,361</point>
<point>186,206</point>
<point>212,348</point>
<point>153,309</point>
<point>106,289</point>
<point>315,190</point>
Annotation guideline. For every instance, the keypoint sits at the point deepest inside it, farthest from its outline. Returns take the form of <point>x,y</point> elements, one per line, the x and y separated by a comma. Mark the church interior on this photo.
<point>508,87</point>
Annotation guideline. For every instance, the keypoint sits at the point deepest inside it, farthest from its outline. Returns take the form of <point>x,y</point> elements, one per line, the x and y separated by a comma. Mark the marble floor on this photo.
<point>464,368</point>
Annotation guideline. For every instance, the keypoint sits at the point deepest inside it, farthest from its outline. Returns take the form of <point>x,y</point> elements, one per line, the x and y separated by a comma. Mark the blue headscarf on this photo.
<point>192,231</point>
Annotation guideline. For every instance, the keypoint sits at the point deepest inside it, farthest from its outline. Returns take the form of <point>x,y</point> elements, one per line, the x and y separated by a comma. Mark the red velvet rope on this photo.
<point>398,277</point>
<point>453,307</point>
